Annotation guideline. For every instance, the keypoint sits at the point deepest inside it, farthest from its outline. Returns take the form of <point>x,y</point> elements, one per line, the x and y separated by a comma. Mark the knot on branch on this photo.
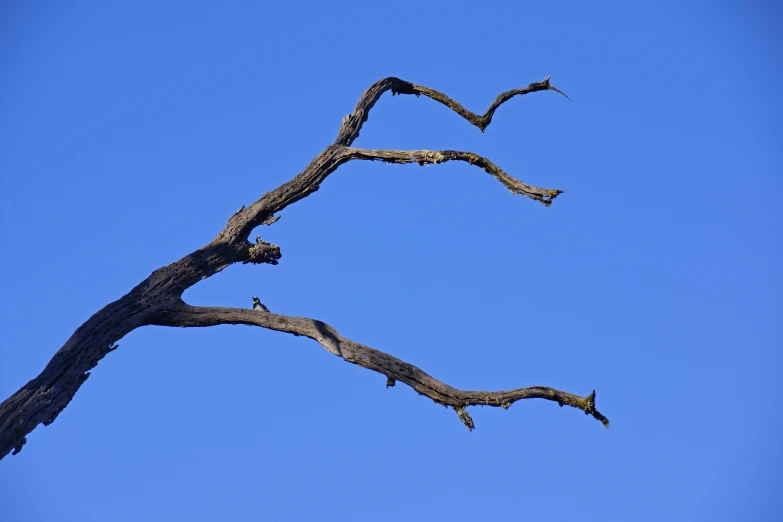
<point>390,382</point>
<point>402,87</point>
<point>464,416</point>
<point>263,252</point>
<point>429,157</point>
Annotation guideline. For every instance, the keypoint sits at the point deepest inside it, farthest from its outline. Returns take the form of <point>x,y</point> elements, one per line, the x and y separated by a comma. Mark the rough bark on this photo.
<point>158,299</point>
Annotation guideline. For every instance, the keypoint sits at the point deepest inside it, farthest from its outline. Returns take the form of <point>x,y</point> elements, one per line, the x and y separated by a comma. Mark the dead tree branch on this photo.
<point>366,357</point>
<point>158,299</point>
<point>432,157</point>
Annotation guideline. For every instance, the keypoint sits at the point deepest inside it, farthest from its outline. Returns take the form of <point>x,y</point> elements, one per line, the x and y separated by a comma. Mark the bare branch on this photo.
<point>352,123</point>
<point>309,180</point>
<point>433,157</point>
<point>394,369</point>
<point>157,299</point>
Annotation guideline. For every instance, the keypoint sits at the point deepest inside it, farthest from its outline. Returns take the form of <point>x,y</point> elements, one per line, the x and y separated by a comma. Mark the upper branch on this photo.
<point>394,369</point>
<point>308,181</point>
<point>430,157</point>
<point>352,123</point>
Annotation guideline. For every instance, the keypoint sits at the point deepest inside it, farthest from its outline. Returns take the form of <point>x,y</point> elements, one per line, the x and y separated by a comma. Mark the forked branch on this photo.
<point>158,299</point>
<point>309,180</point>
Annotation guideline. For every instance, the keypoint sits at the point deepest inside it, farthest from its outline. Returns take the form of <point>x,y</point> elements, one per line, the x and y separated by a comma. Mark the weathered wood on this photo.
<point>158,299</point>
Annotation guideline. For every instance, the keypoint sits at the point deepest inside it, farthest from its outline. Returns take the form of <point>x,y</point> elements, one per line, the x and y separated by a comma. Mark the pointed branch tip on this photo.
<point>464,416</point>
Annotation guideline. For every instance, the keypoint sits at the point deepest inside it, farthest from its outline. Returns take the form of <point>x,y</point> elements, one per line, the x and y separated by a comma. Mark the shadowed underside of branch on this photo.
<point>158,299</point>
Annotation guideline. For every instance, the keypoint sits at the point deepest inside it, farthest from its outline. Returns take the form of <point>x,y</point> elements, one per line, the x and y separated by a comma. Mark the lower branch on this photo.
<point>394,369</point>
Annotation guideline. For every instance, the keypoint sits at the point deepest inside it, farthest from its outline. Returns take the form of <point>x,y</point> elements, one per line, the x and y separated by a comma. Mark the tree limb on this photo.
<point>352,123</point>
<point>394,369</point>
<point>433,157</point>
<point>157,299</point>
<point>309,180</point>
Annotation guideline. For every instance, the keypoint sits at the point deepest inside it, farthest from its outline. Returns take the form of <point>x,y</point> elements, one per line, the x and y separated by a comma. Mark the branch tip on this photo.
<point>464,416</point>
<point>589,408</point>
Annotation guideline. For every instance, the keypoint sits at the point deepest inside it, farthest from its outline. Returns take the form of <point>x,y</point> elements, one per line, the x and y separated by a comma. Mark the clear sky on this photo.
<point>131,131</point>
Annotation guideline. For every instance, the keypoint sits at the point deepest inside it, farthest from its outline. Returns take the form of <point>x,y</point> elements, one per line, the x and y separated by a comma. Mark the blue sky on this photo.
<point>132,131</point>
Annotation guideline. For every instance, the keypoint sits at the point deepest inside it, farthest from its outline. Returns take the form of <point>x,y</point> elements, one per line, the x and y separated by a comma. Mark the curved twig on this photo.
<point>352,123</point>
<point>394,369</point>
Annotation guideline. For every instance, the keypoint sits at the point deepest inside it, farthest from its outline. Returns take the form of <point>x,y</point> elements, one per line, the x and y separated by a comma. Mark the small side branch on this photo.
<point>394,369</point>
<point>433,157</point>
